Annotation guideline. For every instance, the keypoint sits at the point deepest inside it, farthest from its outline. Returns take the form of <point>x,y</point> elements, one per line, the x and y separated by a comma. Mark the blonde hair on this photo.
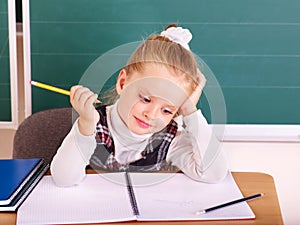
<point>160,49</point>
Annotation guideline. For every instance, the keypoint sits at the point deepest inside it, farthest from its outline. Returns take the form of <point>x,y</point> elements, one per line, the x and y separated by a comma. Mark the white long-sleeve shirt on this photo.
<point>194,150</point>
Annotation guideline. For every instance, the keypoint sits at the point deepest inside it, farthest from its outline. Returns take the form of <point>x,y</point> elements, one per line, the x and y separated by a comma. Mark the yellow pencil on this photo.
<point>52,88</point>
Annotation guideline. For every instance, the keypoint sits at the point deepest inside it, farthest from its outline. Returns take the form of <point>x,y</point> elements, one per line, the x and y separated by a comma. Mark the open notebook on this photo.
<point>113,197</point>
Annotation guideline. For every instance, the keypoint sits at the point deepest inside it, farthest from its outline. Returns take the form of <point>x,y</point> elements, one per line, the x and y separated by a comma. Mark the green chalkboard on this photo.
<point>251,46</point>
<point>5,97</point>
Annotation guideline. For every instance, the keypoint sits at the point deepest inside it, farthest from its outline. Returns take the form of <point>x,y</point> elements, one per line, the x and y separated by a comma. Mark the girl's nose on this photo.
<point>151,112</point>
<point>148,114</point>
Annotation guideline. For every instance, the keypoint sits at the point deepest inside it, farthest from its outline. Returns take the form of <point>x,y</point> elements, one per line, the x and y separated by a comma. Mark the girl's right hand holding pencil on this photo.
<point>82,100</point>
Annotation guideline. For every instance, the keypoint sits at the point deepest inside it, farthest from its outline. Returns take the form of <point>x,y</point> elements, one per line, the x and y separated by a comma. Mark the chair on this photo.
<point>41,134</point>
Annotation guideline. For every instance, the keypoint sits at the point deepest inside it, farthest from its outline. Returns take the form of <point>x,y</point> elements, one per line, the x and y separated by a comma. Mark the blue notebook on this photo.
<point>15,177</point>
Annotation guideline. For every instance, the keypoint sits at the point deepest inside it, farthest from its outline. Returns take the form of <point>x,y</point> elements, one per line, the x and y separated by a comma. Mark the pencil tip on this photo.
<point>198,213</point>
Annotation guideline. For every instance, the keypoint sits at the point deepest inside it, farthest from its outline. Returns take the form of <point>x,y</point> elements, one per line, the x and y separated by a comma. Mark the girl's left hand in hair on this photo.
<point>190,104</point>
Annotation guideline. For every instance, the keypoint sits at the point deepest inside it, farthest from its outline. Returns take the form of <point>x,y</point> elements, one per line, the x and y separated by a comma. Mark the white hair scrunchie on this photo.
<point>178,35</point>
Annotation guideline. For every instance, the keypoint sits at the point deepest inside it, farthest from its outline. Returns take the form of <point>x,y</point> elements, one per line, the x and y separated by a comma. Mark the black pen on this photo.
<point>228,204</point>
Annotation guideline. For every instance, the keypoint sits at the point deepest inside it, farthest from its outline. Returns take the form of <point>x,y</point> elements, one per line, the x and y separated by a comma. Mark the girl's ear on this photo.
<point>121,81</point>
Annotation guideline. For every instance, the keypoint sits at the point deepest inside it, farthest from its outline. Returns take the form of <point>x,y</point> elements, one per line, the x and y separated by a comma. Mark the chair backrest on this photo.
<point>41,134</point>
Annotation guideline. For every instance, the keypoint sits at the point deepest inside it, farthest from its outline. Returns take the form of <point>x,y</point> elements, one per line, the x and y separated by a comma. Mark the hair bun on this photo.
<point>178,35</point>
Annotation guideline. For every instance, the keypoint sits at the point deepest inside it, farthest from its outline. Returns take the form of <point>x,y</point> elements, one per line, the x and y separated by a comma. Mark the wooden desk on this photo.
<point>266,209</point>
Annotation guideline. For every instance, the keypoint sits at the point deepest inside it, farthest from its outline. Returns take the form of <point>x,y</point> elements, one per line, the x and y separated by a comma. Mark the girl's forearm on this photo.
<point>68,165</point>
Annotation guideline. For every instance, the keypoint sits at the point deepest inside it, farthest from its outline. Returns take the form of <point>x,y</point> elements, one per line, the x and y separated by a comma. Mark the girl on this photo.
<point>154,123</point>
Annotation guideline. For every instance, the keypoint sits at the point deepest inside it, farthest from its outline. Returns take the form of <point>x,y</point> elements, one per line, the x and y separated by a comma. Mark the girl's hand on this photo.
<point>82,100</point>
<point>190,105</point>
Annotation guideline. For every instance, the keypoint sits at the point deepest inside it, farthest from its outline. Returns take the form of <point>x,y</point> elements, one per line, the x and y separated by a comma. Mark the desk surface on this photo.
<point>266,209</point>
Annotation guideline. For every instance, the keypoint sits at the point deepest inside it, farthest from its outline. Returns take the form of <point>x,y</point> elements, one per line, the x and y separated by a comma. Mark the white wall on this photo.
<point>281,160</point>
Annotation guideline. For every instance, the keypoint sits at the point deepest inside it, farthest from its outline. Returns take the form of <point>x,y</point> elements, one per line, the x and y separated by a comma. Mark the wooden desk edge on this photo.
<point>268,205</point>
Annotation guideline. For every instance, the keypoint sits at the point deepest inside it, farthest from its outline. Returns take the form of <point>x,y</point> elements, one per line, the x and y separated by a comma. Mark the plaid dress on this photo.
<point>153,156</point>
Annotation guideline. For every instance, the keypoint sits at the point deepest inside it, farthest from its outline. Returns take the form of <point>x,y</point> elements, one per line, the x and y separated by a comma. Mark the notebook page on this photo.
<point>177,197</point>
<point>99,198</point>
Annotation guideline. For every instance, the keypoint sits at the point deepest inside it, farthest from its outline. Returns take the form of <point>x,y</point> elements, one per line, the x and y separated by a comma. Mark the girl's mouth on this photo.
<point>142,123</point>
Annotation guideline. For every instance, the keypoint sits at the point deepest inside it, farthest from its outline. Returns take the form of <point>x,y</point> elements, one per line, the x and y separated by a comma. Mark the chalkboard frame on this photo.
<point>232,132</point>
<point>13,123</point>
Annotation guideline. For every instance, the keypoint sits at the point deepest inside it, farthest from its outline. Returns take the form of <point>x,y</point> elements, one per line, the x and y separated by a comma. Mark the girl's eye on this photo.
<point>166,111</point>
<point>145,98</point>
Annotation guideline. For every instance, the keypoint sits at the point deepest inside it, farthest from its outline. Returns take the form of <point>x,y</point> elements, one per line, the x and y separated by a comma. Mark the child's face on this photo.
<point>149,100</point>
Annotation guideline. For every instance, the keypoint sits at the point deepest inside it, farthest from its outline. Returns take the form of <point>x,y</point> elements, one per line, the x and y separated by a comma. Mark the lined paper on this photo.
<point>100,197</point>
